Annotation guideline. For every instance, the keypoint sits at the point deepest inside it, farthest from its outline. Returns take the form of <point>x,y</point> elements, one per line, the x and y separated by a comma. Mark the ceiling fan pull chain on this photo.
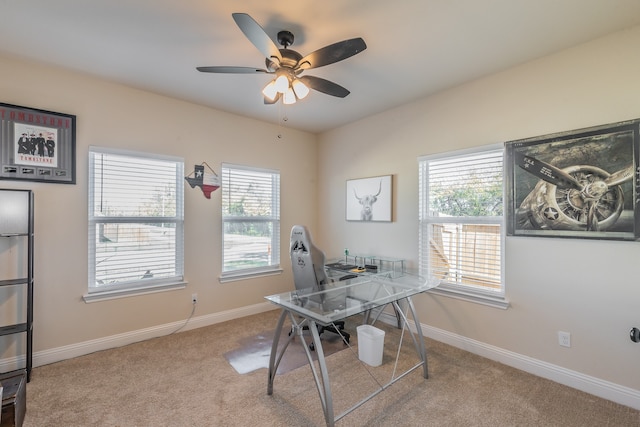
<point>280,120</point>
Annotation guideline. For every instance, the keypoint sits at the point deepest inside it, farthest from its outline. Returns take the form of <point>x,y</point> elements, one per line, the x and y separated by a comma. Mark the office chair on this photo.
<point>309,275</point>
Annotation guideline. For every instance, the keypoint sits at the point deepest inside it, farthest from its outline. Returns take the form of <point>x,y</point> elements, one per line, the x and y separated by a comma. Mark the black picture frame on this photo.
<point>37,145</point>
<point>582,183</point>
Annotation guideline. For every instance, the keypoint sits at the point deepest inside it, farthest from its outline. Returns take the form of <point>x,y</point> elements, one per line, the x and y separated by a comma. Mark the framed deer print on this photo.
<point>369,199</point>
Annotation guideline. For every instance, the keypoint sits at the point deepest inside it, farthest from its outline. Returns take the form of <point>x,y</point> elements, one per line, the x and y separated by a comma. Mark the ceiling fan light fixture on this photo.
<point>285,64</point>
<point>300,89</point>
<point>270,90</point>
<point>289,97</point>
<point>282,83</point>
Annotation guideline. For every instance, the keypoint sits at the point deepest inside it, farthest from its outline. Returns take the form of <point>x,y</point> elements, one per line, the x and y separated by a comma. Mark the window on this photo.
<point>135,222</point>
<point>251,221</point>
<point>461,223</point>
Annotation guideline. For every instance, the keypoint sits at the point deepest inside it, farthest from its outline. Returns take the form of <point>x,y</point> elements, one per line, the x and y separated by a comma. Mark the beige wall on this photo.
<point>588,288</point>
<point>113,115</point>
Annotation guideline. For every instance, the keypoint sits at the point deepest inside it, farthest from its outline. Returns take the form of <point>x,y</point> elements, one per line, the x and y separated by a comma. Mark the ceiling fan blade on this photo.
<point>231,70</point>
<point>257,35</point>
<point>332,53</point>
<point>324,86</point>
<point>546,171</point>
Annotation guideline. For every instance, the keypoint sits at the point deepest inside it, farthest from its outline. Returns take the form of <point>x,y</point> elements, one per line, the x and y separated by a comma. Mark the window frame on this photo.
<point>135,287</point>
<point>274,266</point>
<point>452,289</point>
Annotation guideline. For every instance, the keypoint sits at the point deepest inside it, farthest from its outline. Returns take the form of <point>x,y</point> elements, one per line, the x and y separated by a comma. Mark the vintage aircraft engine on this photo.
<point>578,198</point>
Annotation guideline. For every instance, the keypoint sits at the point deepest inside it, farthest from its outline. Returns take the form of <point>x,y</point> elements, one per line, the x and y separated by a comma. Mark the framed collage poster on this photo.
<point>37,145</point>
<point>580,184</point>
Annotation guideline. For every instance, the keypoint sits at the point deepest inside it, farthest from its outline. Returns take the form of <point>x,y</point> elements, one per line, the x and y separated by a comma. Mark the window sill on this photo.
<point>489,300</point>
<point>124,293</point>
<point>242,275</point>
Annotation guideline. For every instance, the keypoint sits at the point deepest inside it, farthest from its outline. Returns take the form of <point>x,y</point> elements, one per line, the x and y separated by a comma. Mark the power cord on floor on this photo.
<point>193,310</point>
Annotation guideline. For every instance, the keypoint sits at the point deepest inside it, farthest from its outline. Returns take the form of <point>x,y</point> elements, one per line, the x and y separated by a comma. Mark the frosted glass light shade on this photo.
<point>289,97</point>
<point>282,84</point>
<point>300,89</point>
<point>270,90</point>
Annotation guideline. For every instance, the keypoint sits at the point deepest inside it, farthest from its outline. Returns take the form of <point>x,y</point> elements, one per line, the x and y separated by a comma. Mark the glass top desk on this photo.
<point>338,301</point>
<point>350,266</point>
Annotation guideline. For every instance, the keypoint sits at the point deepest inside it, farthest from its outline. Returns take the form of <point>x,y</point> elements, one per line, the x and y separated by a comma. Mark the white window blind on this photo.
<point>135,220</point>
<point>461,220</point>
<point>251,220</point>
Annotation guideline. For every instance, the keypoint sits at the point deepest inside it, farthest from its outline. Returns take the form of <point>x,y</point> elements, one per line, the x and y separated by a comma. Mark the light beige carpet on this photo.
<point>185,380</point>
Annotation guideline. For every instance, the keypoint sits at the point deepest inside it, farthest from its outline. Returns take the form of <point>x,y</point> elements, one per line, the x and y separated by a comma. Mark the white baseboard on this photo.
<point>597,387</point>
<point>58,354</point>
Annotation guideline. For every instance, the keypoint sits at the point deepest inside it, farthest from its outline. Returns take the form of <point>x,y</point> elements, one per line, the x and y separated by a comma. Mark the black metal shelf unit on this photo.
<point>16,222</point>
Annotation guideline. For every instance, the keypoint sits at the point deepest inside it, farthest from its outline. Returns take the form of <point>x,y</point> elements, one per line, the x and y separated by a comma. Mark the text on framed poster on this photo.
<point>37,145</point>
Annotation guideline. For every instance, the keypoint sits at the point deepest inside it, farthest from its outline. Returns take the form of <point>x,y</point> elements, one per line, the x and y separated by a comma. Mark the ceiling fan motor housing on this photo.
<point>290,58</point>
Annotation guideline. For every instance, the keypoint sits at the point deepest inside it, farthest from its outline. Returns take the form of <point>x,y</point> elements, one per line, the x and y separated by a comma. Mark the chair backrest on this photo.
<point>307,261</point>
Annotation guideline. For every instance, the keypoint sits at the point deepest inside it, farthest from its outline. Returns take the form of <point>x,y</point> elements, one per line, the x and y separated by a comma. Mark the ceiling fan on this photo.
<point>287,65</point>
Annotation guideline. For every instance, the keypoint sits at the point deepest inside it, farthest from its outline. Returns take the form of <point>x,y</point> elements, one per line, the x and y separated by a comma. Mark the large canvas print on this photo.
<point>580,184</point>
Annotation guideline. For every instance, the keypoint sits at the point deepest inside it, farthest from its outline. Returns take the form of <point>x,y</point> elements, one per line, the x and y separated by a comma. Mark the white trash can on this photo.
<point>370,344</point>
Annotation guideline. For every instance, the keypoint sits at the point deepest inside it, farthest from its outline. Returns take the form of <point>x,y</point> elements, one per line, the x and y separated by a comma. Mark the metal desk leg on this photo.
<point>273,364</point>
<point>324,388</point>
<point>398,311</point>
<point>323,385</point>
<point>418,338</point>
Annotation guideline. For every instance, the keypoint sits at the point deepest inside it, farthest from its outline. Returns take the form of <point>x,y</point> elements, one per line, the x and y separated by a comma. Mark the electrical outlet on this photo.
<point>564,339</point>
<point>194,298</point>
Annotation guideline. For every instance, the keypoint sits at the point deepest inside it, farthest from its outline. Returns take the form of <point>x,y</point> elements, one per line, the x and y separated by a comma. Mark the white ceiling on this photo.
<point>415,47</point>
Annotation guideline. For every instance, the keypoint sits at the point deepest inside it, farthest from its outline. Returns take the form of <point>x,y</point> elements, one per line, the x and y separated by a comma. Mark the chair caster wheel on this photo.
<point>312,347</point>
